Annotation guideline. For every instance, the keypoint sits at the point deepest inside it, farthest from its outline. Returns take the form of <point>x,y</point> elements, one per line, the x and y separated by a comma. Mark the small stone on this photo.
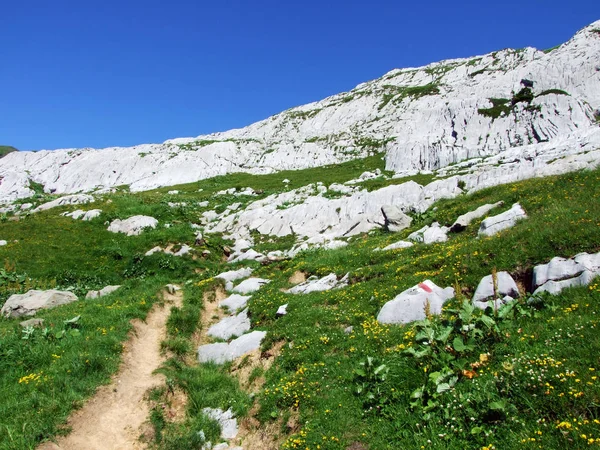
<point>172,288</point>
<point>282,310</point>
<point>32,323</point>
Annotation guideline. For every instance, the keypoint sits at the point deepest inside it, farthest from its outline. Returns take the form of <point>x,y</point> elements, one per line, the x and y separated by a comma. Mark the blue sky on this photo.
<point>91,73</point>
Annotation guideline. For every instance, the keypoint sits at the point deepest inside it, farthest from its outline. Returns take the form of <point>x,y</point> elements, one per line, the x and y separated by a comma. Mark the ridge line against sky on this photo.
<point>83,74</point>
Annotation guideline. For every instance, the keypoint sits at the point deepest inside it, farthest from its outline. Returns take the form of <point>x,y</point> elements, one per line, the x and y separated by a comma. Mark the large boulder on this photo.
<point>29,303</point>
<point>395,219</point>
<point>132,226</point>
<point>463,221</point>
<point>507,219</point>
<point>410,305</point>
<point>506,290</point>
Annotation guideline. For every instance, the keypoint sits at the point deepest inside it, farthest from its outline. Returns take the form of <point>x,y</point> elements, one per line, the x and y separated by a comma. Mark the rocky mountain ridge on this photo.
<point>418,118</point>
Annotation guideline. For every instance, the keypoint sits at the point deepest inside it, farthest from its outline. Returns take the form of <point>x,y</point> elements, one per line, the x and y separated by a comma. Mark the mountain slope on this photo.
<point>421,118</point>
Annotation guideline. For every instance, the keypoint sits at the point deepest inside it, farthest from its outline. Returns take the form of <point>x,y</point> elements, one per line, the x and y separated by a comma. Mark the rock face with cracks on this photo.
<point>562,273</point>
<point>419,118</point>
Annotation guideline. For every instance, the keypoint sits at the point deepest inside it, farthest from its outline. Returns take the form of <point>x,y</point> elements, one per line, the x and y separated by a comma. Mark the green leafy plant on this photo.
<point>369,378</point>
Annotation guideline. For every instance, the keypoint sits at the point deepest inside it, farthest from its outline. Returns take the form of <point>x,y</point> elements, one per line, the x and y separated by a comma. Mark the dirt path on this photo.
<point>111,419</point>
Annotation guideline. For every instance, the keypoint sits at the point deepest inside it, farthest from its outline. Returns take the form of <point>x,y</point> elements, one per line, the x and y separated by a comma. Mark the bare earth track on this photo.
<point>112,418</point>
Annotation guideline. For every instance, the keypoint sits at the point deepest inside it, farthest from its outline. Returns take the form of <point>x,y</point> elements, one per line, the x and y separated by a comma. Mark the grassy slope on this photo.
<point>315,375</point>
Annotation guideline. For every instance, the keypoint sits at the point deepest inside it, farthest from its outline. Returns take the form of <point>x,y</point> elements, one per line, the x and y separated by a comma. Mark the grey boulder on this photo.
<point>505,286</point>
<point>29,303</point>
<point>32,323</point>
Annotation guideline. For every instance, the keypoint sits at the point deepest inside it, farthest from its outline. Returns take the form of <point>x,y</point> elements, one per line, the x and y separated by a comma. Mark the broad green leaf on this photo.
<point>458,344</point>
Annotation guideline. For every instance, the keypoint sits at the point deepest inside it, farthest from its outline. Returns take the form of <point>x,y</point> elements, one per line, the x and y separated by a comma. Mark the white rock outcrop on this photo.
<point>233,275</point>
<point>250,285</point>
<point>316,284</point>
<point>232,326</point>
<point>226,420</point>
<point>235,302</point>
<point>507,219</point>
<point>32,301</point>
<point>133,226</point>
<point>563,273</point>
<point>77,199</point>
<point>221,352</point>
<point>411,304</point>
<point>420,118</point>
<point>83,215</point>
<point>394,246</point>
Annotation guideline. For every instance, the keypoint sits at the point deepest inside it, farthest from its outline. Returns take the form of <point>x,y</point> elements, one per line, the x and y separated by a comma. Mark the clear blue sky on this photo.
<point>99,73</point>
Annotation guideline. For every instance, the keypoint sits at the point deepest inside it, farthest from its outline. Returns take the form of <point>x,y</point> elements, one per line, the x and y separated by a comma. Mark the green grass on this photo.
<point>318,373</point>
<point>46,375</point>
<point>396,94</point>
